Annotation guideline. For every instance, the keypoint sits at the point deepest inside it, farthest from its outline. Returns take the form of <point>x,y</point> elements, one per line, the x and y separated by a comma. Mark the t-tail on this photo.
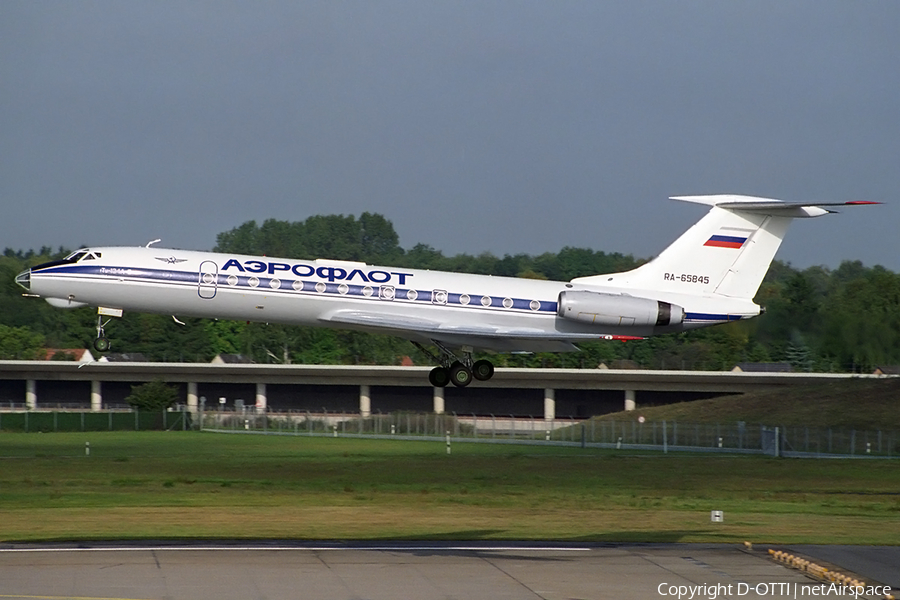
<point>726,254</point>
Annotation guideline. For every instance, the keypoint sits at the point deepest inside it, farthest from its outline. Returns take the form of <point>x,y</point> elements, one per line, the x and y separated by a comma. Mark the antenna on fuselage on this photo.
<point>153,242</point>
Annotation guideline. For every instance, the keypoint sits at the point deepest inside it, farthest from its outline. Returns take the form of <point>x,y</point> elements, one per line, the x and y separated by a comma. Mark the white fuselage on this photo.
<point>500,313</point>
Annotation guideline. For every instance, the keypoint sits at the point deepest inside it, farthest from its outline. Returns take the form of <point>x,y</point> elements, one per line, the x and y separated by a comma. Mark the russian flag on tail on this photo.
<point>726,241</point>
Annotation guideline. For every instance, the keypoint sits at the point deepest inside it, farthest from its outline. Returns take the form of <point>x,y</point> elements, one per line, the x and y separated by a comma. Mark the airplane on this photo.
<point>707,276</point>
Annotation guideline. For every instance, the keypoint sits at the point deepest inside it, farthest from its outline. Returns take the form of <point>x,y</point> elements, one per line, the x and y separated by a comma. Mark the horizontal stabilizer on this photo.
<point>768,206</point>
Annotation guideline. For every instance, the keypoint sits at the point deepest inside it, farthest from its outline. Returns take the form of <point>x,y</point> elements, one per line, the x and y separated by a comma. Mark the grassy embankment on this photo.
<point>172,485</point>
<point>863,404</point>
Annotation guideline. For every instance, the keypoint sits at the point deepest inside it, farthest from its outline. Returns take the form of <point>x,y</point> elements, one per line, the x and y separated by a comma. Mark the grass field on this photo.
<point>169,485</point>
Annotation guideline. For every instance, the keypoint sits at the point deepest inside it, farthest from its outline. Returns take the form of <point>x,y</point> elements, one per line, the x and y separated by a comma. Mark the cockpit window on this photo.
<point>76,256</point>
<point>83,254</point>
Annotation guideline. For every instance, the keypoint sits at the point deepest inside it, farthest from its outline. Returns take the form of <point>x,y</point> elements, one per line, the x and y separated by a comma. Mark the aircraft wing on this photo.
<point>477,335</point>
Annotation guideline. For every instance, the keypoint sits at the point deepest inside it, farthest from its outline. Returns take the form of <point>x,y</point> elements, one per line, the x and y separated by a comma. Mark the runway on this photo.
<point>270,570</point>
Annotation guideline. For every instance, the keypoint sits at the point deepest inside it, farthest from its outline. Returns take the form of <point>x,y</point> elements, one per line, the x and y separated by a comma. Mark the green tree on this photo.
<point>152,396</point>
<point>20,343</point>
<point>379,243</point>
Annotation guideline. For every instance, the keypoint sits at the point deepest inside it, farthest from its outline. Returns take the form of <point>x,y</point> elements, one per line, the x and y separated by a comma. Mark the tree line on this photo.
<point>817,319</point>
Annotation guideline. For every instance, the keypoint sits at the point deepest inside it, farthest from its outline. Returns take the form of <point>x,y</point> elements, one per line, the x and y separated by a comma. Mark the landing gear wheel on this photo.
<point>101,344</point>
<point>483,370</point>
<point>460,375</point>
<point>439,377</point>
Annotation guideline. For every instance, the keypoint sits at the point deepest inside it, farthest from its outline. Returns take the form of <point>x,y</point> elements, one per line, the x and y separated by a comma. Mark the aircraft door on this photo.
<point>208,280</point>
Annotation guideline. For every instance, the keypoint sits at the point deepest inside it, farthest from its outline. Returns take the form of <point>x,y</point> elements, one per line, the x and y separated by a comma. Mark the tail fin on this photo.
<point>726,253</point>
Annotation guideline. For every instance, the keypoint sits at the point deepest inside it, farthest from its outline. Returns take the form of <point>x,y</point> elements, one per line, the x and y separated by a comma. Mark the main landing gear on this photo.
<point>459,372</point>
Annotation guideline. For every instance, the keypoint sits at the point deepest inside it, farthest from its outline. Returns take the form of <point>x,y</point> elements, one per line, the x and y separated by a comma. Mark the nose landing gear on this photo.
<point>101,344</point>
<point>459,372</point>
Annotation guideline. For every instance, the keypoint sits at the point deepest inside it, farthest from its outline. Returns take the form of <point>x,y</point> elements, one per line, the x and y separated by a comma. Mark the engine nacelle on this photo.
<point>617,310</point>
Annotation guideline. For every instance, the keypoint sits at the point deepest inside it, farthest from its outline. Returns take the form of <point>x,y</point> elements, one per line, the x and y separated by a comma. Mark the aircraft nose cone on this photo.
<point>24,279</point>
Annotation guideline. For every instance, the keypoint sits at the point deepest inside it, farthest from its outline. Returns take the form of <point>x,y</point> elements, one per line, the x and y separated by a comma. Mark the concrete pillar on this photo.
<point>30,394</point>
<point>365,401</point>
<point>192,397</point>
<point>439,400</point>
<point>260,397</point>
<point>630,403</point>
<point>549,404</point>
<point>96,396</point>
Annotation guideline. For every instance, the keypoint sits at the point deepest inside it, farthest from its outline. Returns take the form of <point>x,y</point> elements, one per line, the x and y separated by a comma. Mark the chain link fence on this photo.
<point>665,436</point>
<point>110,420</point>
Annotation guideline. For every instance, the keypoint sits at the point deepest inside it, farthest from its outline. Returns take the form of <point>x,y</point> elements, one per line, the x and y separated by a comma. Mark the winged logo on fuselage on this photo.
<point>171,260</point>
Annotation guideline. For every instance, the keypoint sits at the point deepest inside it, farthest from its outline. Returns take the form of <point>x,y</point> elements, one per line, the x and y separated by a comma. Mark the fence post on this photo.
<point>777,443</point>
<point>665,437</point>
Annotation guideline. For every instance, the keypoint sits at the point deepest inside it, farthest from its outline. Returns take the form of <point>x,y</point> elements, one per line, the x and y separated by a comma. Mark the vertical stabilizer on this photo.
<point>726,253</point>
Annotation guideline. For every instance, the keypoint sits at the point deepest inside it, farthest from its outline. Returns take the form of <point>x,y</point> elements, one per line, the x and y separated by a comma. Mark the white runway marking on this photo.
<point>302,548</point>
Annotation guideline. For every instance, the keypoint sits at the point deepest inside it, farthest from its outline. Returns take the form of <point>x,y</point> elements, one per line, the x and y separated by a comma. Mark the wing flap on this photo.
<point>428,326</point>
<point>480,336</point>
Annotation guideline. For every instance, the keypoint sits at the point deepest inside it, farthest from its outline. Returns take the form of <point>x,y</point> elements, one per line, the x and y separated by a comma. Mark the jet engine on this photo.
<point>617,309</point>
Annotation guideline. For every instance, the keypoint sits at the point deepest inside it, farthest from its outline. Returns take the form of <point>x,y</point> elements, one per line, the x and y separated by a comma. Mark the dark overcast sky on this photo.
<point>477,126</point>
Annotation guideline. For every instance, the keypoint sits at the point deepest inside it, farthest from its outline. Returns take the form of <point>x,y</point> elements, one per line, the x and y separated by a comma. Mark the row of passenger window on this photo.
<point>385,292</point>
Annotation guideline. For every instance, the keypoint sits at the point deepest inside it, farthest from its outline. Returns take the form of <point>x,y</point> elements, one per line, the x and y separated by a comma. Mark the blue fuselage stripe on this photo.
<point>298,287</point>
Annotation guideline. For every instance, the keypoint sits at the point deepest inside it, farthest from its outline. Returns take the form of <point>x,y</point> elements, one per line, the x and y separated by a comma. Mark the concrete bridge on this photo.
<point>385,388</point>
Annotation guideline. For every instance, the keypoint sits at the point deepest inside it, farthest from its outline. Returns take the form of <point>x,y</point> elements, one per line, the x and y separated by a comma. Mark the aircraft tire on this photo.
<point>439,377</point>
<point>460,376</point>
<point>483,370</point>
<point>101,344</point>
